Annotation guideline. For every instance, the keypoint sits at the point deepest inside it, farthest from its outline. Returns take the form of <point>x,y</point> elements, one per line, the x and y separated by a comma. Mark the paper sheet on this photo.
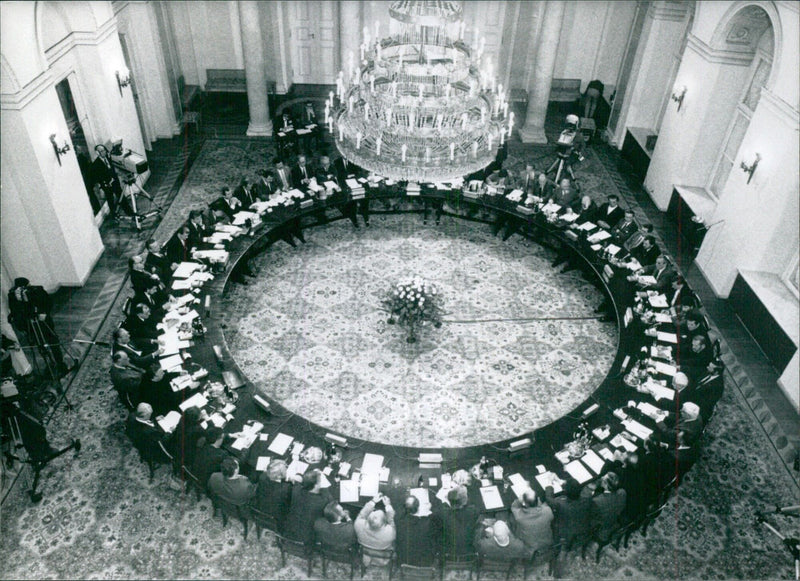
<point>280,444</point>
<point>296,467</point>
<point>372,463</point>
<point>637,429</point>
<point>348,491</point>
<point>587,226</point>
<point>198,400</point>
<point>663,318</point>
<point>546,479</point>
<point>593,461</point>
<point>666,368</point>
<point>647,280</point>
<point>491,497</point>
<point>262,463</point>
<point>613,249</point>
<point>619,442</point>
<point>370,484</point>
<point>170,362</point>
<point>185,269</point>
<point>578,471</point>
<point>661,392</point>
<point>170,421</point>
<point>599,236</point>
<point>667,337</point>
<point>658,301</point>
<point>421,494</point>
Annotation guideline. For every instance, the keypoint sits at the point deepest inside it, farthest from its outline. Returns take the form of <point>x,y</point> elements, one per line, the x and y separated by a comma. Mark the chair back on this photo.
<point>495,565</point>
<point>377,558</point>
<point>418,573</point>
<point>338,554</point>
<point>126,306</point>
<point>192,482</point>
<point>297,548</point>
<point>230,509</point>
<point>262,520</point>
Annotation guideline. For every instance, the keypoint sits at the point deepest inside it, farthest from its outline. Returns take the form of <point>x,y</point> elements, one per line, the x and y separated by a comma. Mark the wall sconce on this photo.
<point>123,79</point>
<point>59,150</point>
<point>678,97</point>
<point>750,169</point>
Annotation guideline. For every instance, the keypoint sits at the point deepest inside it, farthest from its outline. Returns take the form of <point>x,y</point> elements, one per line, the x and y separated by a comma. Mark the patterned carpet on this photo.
<point>311,334</point>
<point>101,519</point>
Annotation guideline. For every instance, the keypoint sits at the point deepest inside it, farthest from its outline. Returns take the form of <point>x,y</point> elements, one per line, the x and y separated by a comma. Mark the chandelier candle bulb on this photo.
<point>358,140</point>
<point>350,104</point>
<point>427,155</point>
<point>378,144</point>
<point>502,135</point>
<point>394,90</point>
<point>505,109</point>
<point>475,149</point>
<point>461,30</point>
<point>366,111</point>
<point>377,31</point>
<point>330,125</point>
<point>341,133</point>
<point>463,122</point>
<point>363,50</point>
<point>421,90</point>
<point>489,143</point>
<point>372,85</point>
<point>452,151</point>
<point>403,151</point>
<point>483,114</point>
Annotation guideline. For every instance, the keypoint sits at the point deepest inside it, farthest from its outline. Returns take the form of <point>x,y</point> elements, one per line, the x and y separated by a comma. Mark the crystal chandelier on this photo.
<point>422,106</point>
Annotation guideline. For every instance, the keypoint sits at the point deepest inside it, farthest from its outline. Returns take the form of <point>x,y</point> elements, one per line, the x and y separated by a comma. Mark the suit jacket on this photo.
<point>571,518</point>
<point>273,498</point>
<point>695,365</point>
<point>683,297</point>
<point>176,251</point>
<point>284,122</point>
<point>196,234</point>
<point>532,524</point>
<point>605,513</point>
<point>325,174</point>
<point>564,198</point>
<point>586,214</point>
<point>663,278</point>
<point>344,169</point>
<point>284,182</point>
<point>341,534</point>
<point>238,490</point>
<point>128,381</point>
<point>141,329</point>
<point>229,207</point>
<point>304,509</point>
<point>458,529</point>
<point>622,231</point>
<point>264,190</point>
<point>707,392</point>
<point>646,257</point>
<point>155,303</point>
<point>245,195</point>
<point>670,427</point>
<point>298,177</point>
<point>543,192</point>
<point>21,311</point>
<point>138,357</point>
<point>416,538</point>
<point>489,548</point>
<point>159,264</point>
<point>104,174</point>
<point>146,438</point>
<point>609,216</point>
<point>184,442</point>
<point>207,460</point>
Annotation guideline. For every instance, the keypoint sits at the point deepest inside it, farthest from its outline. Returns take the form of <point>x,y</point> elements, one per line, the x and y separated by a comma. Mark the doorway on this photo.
<point>78,137</point>
<point>313,31</point>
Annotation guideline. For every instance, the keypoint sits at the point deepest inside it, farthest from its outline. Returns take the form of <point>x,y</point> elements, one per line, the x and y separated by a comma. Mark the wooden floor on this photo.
<point>79,312</point>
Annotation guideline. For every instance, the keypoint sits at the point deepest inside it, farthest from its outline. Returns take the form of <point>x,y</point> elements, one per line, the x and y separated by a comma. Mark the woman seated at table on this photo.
<point>274,493</point>
<point>306,506</point>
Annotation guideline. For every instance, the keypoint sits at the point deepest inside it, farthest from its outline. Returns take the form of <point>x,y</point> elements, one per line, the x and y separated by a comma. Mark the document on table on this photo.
<point>663,318</point>
<point>370,484</point>
<point>578,471</point>
<point>212,255</point>
<point>491,497</point>
<point>331,185</point>
<point>348,491</point>
<point>181,382</point>
<point>666,368</point>
<point>344,469</point>
<point>619,442</point>
<point>323,481</point>
<point>241,217</point>
<point>185,269</point>
<point>280,444</point>
<point>587,226</point>
<point>637,429</point>
<point>546,479</point>
<point>648,280</point>
<point>372,463</point>
<point>352,183</point>
<point>658,301</point>
<point>229,228</point>
<point>612,249</point>
<point>170,421</point>
<point>551,208</point>
<point>518,484</point>
<point>569,218</point>
<point>262,463</point>
<point>171,362</point>
<point>593,461</point>
<point>198,400</point>
<point>181,301</point>
<point>667,337</point>
<point>296,467</point>
<point>599,236</point>
<point>421,494</point>
<point>659,391</point>
<point>181,284</point>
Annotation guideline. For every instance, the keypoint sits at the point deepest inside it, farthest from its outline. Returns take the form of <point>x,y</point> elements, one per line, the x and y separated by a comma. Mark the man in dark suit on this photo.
<point>274,492</point>
<point>154,298</point>
<point>543,187</point>
<point>624,229</point>
<point>209,455</point>
<point>301,173</point>
<point>607,507</point>
<point>177,250</point>
<point>326,172</point>
<point>646,252</point>
<point>156,262</point>
<point>335,527</point>
<point>231,486</point>
<point>285,133</point>
<point>662,272</point>
<point>309,117</point>
<point>610,213</point>
<point>283,177</point>
<point>496,542</point>
<point>127,379</point>
<point>197,229</point>
<point>565,195</point>
<point>348,170</point>
<point>105,176</point>
<point>459,520</point>
<point>140,324</point>
<point>140,355</point>
<point>687,426</point>
<point>695,362</point>
<point>681,298</point>
<point>244,193</point>
<point>416,534</point>
<point>587,211</point>
<point>146,436</point>
<point>571,515</point>
<point>265,185</point>
<point>308,502</point>
<point>531,521</point>
<point>709,389</point>
<point>227,203</point>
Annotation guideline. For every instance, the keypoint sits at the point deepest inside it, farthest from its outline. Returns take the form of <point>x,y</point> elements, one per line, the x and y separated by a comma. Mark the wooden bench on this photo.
<point>565,90</point>
<point>225,81</point>
<point>187,93</point>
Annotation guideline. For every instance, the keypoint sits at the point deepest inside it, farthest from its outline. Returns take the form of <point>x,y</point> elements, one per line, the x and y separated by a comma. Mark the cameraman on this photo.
<point>105,176</point>
<point>30,314</point>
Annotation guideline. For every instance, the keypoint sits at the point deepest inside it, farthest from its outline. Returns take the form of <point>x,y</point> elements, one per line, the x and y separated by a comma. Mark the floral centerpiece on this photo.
<point>580,443</point>
<point>412,304</point>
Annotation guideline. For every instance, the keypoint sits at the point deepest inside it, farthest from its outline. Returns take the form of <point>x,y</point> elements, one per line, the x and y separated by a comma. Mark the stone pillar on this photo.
<point>542,79</point>
<point>350,33</point>
<point>255,69</point>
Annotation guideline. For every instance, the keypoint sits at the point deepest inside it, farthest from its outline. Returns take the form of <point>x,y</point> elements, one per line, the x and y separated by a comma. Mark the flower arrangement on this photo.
<point>413,303</point>
<point>580,443</point>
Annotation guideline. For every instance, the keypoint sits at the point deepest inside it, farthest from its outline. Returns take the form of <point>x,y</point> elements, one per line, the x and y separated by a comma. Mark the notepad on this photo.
<point>491,497</point>
<point>578,471</point>
<point>637,429</point>
<point>518,484</point>
<point>660,391</point>
<point>613,249</point>
<point>198,400</point>
<point>262,463</point>
<point>606,453</point>
<point>599,236</point>
<point>170,421</point>
<point>171,362</point>
<point>344,469</point>
<point>296,467</point>
<point>348,491</point>
<point>593,461</point>
<point>372,463</point>
<point>667,337</point>
<point>370,484</point>
<point>280,444</point>
<point>587,226</point>
<point>663,318</point>
<point>323,480</point>
<point>658,301</point>
<point>647,280</point>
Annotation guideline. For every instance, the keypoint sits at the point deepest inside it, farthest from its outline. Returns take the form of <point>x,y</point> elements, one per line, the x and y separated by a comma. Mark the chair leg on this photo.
<point>151,465</point>
<point>244,524</point>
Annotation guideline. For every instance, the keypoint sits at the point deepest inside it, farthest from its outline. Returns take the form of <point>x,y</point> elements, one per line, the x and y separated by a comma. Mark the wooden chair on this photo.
<point>297,548</point>
<point>614,539</point>
<point>386,555</point>
<point>262,520</point>
<point>191,482</point>
<point>228,509</point>
<point>506,566</point>
<point>337,554</point>
<point>152,457</point>
<point>540,557</point>
<point>413,572</point>
<point>465,562</point>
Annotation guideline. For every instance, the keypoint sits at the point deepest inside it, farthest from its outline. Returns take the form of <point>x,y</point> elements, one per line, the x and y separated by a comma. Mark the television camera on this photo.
<point>568,149</point>
<point>131,166</point>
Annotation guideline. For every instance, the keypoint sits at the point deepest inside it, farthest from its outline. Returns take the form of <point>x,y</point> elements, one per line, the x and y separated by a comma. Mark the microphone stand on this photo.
<point>792,544</point>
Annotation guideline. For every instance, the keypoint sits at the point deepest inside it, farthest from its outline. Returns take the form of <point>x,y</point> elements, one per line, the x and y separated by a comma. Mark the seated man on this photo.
<point>197,229</point>
<point>607,507</point>
<point>663,274</point>
<point>139,355</point>
<point>587,211</point>
<point>141,325</point>
<point>708,389</point>
<point>302,173</point>
<point>531,521</point>
<point>244,193</point>
<point>265,185</point>
<point>209,455</point>
<point>688,425</point>
<point>571,515</point>
<point>306,506</point>
<point>695,362</point>
<point>527,179</point>
<point>681,299</point>
<point>416,535</point>
<point>177,249</point>
<point>156,300</point>
<point>156,262</point>
<point>375,527</point>
<point>140,277</point>
<point>227,203</point>
<point>624,229</point>
<point>610,213</point>
<point>127,379</point>
<point>146,436</point>
<point>335,528</point>
<point>274,492</point>
<point>283,178</point>
<point>459,520</point>
<point>647,252</point>
<point>497,543</point>
<point>231,486</point>
<point>565,195</point>
<point>638,237</point>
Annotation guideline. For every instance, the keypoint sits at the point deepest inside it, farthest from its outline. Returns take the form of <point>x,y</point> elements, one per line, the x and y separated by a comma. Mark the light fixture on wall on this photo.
<point>678,96</point>
<point>750,169</point>
<point>123,79</point>
<point>59,150</point>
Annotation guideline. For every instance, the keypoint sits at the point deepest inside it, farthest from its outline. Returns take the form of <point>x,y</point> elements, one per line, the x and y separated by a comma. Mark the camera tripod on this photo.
<point>562,165</point>
<point>131,191</point>
<point>792,544</point>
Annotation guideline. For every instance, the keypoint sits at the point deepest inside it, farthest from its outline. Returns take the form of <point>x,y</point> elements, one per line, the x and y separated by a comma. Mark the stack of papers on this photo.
<point>587,226</point>
<point>599,236</point>
<point>619,442</point>
<point>170,421</point>
<point>667,337</point>
<point>240,218</point>
<point>171,363</point>
<point>612,249</point>
<point>518,484</point>
<point>372,463</point>
<point>212,255</point>
<point>262,463</point>
<point>356,189</point>
<point>181,382</point>
<point>651,411</point>
<point>198,400</point>
<point>666,368</point>
<point>491,497</point>
<point>185,269</point>
<point>658,301</point>
<point>348,491</point>
<point>637,429</point>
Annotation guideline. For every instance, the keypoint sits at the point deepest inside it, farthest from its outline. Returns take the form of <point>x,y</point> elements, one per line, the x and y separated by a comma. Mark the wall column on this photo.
<point>350,33</point>
<point>542,78</point>
<point>255,69</point>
